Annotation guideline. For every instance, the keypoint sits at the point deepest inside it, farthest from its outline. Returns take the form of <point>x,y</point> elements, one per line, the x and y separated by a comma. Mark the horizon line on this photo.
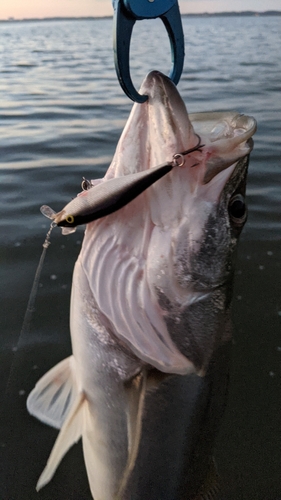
<point>220,13</point>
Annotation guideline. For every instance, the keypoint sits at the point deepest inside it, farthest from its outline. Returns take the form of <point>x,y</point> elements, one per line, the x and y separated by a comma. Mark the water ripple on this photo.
<point>62,104</point>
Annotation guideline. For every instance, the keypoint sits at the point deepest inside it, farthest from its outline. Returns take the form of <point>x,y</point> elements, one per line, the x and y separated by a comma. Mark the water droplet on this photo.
<point>17,244</point>
<point>271,374</point>
<point>22,392</point>
<point>248,257</point>
<point>261,268</point>
<point>279,348</point>
<point>53,277</point>
<point>269,252</point>
<point>64,287</point>
<point>35,367</point>
<point>239,297</point>
<point>14,349</point>
<point>279,313</point>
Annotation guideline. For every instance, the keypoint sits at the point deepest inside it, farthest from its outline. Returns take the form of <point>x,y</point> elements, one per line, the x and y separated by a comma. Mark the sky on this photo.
<point>20,9</point>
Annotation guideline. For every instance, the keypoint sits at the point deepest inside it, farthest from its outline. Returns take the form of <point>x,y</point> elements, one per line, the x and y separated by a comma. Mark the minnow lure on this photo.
<point>109,196</point>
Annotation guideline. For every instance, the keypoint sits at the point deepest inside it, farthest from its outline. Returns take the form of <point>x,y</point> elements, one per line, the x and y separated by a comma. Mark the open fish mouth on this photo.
<point>170,248</point>
<point>162,127</point>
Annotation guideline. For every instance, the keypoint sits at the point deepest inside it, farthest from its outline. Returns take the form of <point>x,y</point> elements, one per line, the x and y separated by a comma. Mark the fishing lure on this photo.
<point>109,196</point>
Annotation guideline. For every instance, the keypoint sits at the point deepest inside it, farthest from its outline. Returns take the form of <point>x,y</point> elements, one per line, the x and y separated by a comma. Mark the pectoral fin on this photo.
<point>57,401</point>
<point>54,394</point>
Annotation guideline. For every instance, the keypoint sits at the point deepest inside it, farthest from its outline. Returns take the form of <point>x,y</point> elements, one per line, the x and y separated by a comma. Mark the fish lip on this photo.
<point>155,78</point>
<point>226,151</point>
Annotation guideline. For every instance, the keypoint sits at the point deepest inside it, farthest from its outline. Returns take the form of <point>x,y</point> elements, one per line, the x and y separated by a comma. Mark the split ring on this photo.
<point>176,158</point>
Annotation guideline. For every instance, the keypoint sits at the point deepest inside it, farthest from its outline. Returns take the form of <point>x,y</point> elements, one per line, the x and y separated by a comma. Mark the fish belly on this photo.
<point>103,371</point>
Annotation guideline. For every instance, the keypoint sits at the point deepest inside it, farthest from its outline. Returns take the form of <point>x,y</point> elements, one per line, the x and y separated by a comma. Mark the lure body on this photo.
<point>108,196</point>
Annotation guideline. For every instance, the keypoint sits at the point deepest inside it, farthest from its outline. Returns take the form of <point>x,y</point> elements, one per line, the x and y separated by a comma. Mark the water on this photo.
<point>62,112</point>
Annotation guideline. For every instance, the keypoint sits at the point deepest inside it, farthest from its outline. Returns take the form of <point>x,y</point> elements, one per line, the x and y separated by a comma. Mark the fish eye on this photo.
<point>237,208</point>
<point>69,219</point>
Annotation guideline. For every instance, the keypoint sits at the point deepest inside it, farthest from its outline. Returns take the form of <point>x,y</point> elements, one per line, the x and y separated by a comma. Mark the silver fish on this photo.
<point>150,310</point>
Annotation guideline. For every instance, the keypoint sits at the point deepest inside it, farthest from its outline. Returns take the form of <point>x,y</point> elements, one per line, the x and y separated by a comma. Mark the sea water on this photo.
<point>61,114</point>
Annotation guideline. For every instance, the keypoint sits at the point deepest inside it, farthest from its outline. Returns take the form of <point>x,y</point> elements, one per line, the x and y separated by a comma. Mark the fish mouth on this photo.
<point>162,128</point>
<point>226,135</point>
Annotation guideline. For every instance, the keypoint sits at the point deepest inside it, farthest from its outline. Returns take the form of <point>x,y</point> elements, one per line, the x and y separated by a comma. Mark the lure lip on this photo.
<point>52,215</point>
<point>48,212</point>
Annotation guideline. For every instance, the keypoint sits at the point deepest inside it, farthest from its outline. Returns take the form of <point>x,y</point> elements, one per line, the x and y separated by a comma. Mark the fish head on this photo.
<point>200,204</point>
<point>174,246</point>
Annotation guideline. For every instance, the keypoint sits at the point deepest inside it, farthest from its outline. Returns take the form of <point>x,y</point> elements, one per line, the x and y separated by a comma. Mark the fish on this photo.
<point>150,314</point>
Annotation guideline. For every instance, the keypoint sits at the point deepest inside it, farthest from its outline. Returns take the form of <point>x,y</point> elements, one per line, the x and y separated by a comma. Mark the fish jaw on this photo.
<point>162,127</point>
<point>155,130</point>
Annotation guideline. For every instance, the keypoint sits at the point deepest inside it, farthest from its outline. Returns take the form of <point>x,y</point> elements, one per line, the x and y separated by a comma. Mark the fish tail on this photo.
<point>135,414</point>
